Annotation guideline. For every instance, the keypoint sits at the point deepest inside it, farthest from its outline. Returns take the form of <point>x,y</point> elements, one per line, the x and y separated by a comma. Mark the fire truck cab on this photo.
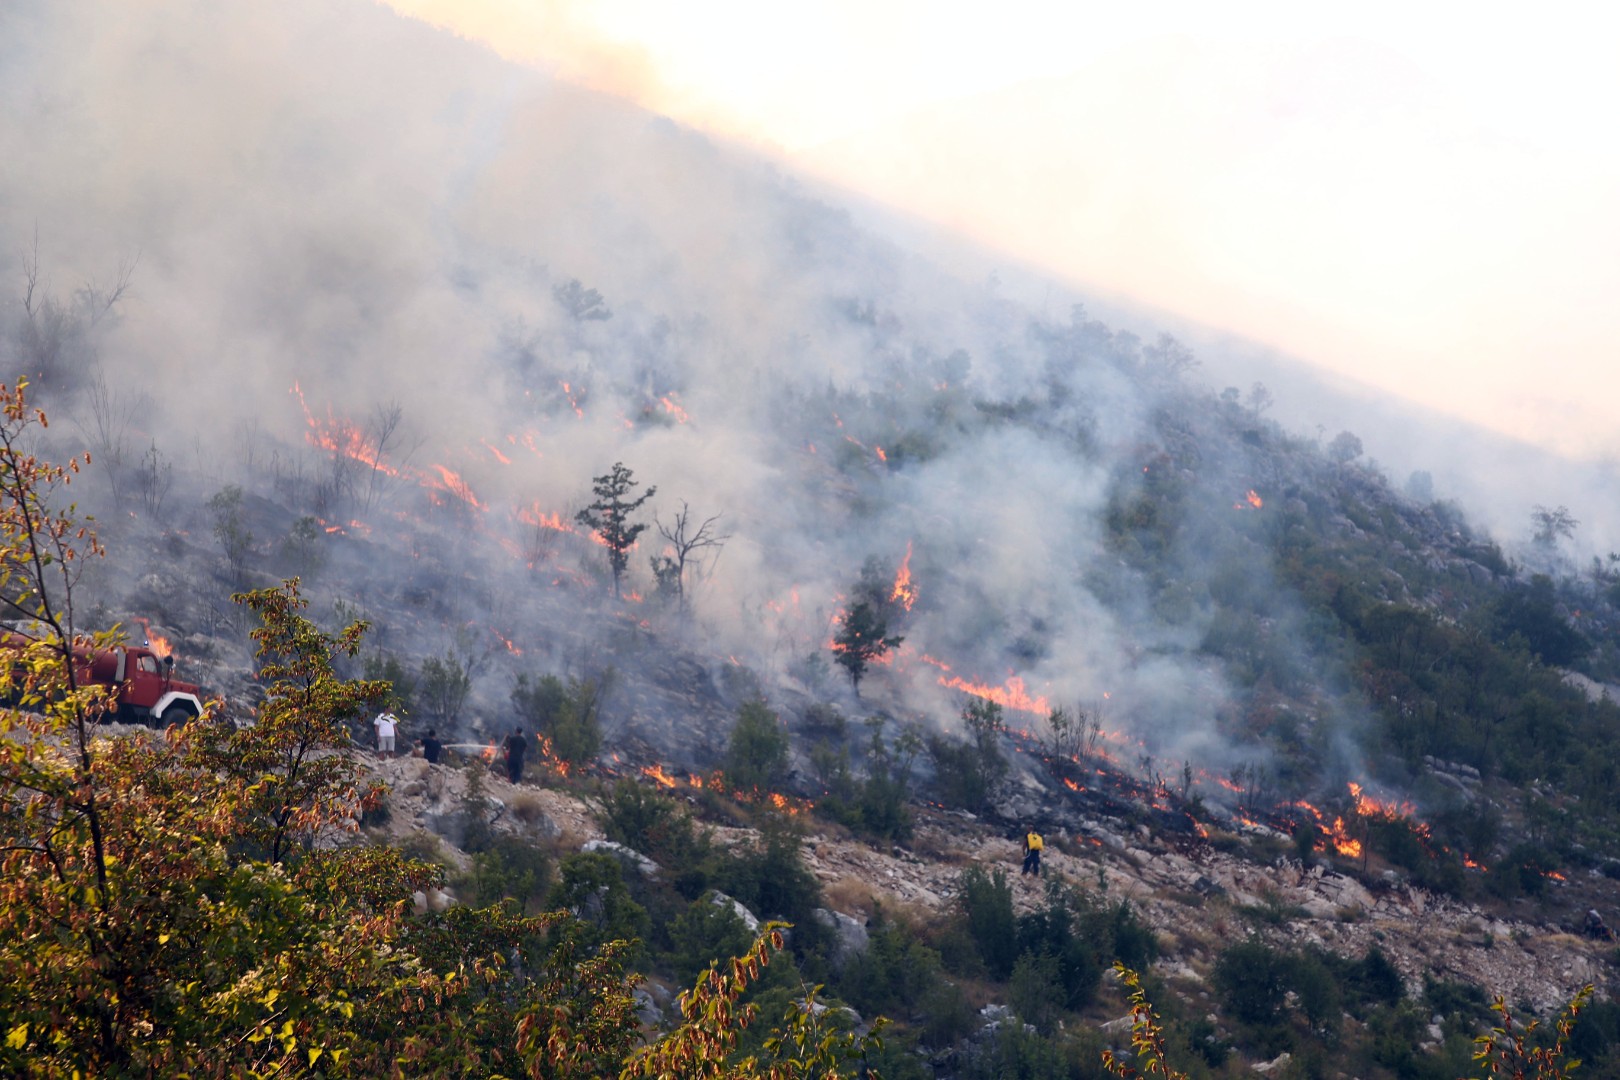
<point>144,683</point>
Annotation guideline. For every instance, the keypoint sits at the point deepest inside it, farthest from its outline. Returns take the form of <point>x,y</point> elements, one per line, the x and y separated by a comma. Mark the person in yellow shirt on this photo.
<point>1032,852</point>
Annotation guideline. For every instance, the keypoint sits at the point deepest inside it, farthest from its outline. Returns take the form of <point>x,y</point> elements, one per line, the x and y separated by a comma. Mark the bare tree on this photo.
<point>153,476</point>
<point>96,302</point>
<point>54,335</point>
<point>687,545</point>
<point>111,414</point>
<point>382,433</point>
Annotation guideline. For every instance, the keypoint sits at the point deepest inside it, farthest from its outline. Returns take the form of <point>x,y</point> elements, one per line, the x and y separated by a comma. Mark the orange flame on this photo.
<point>1367,806</point>
<point>905,593</point>
<point>674,410</point>
<point>1342,842</point>
<point>533,515</point>
<point>1251,501</point>
<point>1011,696</point>
<point>341,437</point>
<point>453,483</point>
<point>573,401</point>
<point>156,642</point>
<point>657,773</point>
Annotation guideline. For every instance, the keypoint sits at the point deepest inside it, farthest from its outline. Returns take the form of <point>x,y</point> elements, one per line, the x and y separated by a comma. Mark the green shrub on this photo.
<point>1253,979</point>
<point>704,932</point>
<point>969,773</point>
<point>756,755</point>
<point>985,904</point>
<point>770,879</point>
<point>893,975</point>
<point>1034,990</point>
<point>592,887</point>
<point>650,822</point>
<point>506,869</point>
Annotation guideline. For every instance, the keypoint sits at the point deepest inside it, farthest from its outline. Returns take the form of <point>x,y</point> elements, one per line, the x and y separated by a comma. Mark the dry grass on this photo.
<point>850,895</point>
<point>527,807</point>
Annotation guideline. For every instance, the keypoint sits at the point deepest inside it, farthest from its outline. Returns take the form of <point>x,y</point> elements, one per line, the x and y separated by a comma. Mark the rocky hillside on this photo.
<point>1199,894</point>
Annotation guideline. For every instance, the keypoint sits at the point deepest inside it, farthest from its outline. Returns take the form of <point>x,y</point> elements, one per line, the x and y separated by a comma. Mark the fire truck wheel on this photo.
<point>176,715</point>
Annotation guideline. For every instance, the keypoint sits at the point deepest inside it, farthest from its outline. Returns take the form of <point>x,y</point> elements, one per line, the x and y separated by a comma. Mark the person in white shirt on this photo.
<point>386,723</point>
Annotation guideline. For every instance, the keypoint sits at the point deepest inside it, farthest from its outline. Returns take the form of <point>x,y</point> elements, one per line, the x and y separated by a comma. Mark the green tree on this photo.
<point>1345,447</point>
<point>294,779</point>
<point>756,755</point>
<point>862,639</point>
<point>969,773</point>
<point>443,685</point>
<point>986,909</point>
<point>609,517</point>
<point>235,538</point>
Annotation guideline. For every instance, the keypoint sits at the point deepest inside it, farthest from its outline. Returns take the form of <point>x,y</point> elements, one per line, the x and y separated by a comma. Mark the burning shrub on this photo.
<point>1524,870</point>
<point>566,715</point>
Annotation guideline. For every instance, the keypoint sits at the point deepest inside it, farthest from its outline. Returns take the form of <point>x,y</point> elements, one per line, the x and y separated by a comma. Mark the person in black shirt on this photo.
<point>431,747</point>
<point>516,747</point>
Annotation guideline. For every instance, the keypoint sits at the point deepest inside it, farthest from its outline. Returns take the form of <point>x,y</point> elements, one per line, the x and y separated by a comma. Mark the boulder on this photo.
<point>750,920</point>
<point>627,857</point>
<point>647,1010</point>
<point>849,932</point>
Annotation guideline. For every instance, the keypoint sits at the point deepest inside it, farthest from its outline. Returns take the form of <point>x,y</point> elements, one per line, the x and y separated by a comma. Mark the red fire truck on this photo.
<point>143,682</point>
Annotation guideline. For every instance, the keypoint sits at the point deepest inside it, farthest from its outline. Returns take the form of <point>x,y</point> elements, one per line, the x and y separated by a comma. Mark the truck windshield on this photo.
<point>147,664</point>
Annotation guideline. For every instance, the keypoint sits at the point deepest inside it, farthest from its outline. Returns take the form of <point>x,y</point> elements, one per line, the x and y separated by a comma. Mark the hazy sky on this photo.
<point>1426,197</point>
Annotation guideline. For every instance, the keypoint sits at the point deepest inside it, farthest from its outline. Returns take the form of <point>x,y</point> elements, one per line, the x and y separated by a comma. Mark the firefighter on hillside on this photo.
<point>1032,852</point>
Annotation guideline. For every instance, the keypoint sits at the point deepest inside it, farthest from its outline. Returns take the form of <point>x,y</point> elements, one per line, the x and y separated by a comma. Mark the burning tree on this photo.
<point>609,517</point>
<point>861,640</point>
